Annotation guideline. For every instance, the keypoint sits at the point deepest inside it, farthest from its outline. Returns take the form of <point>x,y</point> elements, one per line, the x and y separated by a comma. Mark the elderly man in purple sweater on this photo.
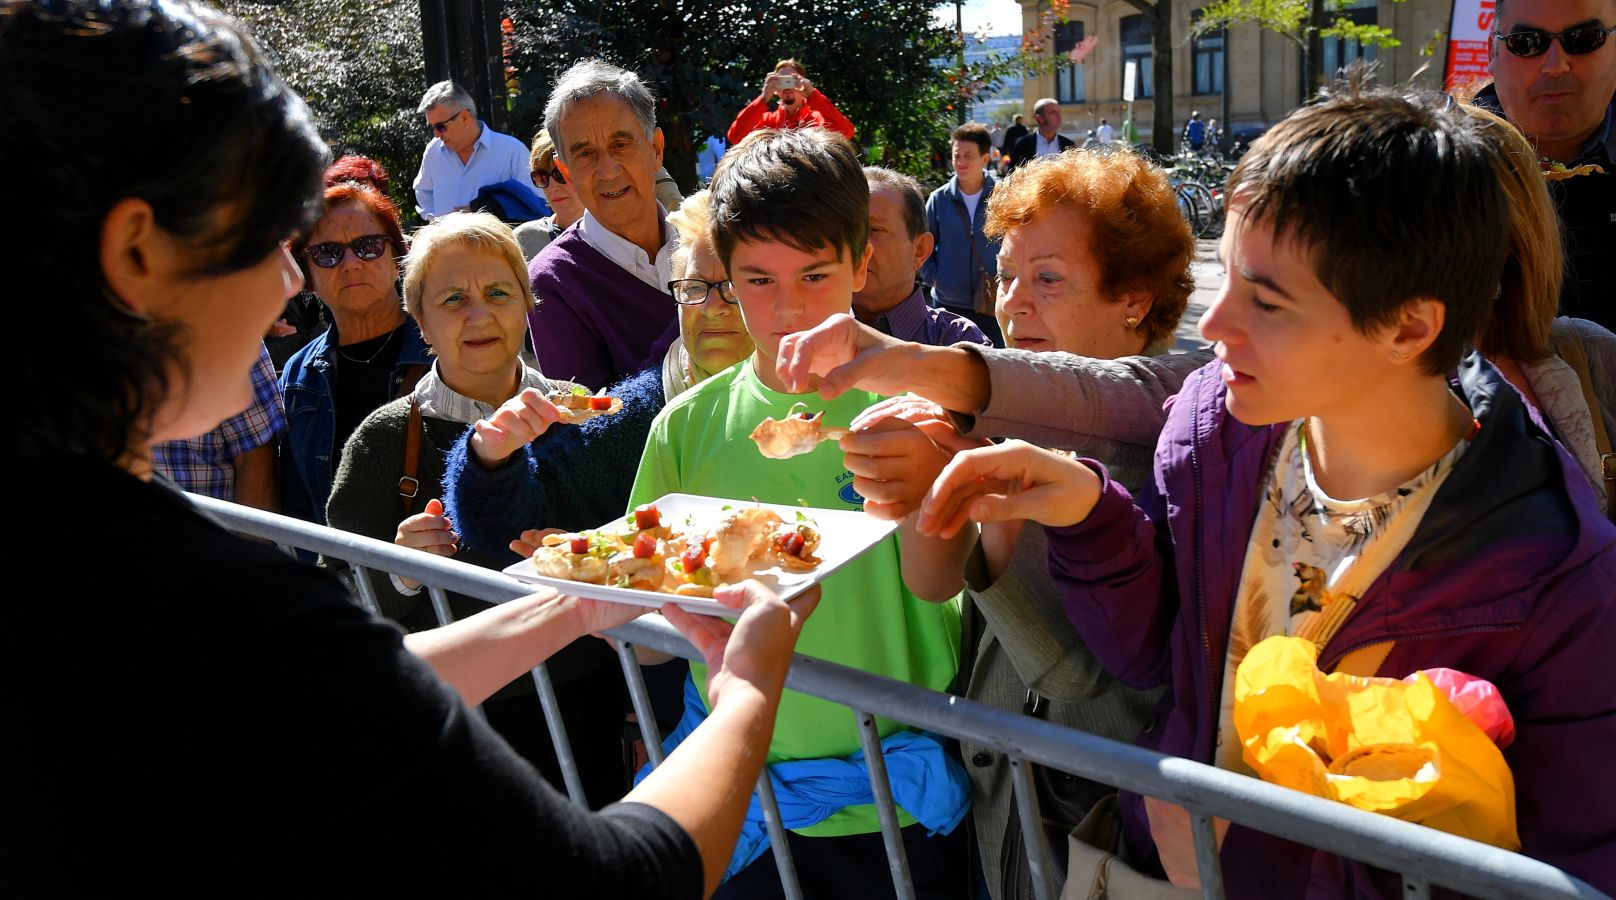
<point>604,311</point>
<point>892,302</point>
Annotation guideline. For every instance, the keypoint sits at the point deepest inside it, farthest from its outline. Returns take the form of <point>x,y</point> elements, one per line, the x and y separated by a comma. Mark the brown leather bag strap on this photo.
<point>970,238</point>
<point>408,484</point>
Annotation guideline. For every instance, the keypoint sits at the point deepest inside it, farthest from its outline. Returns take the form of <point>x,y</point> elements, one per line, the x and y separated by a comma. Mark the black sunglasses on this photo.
<point>328,255</point>
<point>441,127</point>
<point>1575,41</point>
<point>694,291</point>
<point>543,178</point>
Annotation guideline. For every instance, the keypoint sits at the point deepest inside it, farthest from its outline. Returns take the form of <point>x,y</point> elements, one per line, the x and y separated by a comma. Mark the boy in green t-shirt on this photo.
<point>791,224</point>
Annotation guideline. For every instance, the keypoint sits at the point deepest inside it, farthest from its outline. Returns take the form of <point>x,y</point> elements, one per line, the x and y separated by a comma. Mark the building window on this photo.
<point>1207,54</point>
<point>1070,81</point>
<point>1136,47</point>
<point>1338,52</point>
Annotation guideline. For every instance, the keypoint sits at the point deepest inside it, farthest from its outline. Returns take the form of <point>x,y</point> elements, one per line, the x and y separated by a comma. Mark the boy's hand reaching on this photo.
<point>1013,480</point>
<point>893,464</point>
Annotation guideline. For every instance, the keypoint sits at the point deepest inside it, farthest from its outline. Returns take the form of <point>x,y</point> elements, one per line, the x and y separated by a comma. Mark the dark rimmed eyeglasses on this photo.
<point>543,177</point>
<point>329,254</point>
<point>694,291</point>
<point>441,127</point>
<point>1578,41</point>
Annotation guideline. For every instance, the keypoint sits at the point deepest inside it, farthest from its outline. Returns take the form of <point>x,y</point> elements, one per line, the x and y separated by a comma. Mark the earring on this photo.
<point>1131,322</point>
<point>1399,355</point>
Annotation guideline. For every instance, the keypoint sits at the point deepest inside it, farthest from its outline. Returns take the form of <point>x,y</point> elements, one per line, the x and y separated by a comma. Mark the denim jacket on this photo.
<point>950,271</point>
<point>307,456</point>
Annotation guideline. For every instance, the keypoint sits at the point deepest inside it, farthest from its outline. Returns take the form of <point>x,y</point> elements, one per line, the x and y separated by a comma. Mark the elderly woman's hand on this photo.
<point>847,354</point>
<point>518,421</point>
<point>929,417</point>
<point>430,531</point>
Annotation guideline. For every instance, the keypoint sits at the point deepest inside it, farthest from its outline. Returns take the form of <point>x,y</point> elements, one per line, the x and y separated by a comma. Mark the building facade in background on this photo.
<point>1259,70</point>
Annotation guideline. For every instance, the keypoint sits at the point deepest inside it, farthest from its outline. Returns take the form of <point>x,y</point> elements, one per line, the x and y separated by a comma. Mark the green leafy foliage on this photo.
<point>1297,20</point>
<point>358,64</point>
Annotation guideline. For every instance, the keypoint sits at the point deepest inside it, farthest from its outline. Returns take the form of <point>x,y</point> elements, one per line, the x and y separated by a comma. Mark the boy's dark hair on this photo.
<point>803,188</point>
<point>1394,198</point>
<point>914,199</point>
<point>976,133</point>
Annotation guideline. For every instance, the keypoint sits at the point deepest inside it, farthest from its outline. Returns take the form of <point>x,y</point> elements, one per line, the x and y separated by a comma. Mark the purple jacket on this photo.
<point>1510,577</point>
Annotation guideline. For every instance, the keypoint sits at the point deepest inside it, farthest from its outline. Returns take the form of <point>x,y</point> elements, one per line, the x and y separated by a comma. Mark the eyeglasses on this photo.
<point>542,178</point>
<point>441,127</point>
<point>1575,41</point>
<point>329,255</point>
<point>694,291</point>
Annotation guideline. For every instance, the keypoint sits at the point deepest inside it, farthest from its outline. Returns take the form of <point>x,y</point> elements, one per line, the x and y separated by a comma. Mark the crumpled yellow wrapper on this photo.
<point>1399,748</point>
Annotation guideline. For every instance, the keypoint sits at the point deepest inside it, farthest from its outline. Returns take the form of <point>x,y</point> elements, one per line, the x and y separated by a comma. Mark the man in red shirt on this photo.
<point>800,106</point>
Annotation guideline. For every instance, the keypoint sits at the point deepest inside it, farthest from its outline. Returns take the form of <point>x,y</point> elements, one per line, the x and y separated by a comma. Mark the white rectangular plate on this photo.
<point>843,536</point>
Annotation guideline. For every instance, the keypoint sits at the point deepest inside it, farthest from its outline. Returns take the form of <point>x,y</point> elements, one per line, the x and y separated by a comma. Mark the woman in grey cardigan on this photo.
<point>1095,262</point>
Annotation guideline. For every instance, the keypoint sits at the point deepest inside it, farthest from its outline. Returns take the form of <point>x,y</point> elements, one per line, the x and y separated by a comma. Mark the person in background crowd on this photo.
<point>304,318</point>
<point>1105,133</point>
<point>1524,339</point>
<point>1554,77</point>
<point>799,105</point>
<point>1214,134</point>
<point>465,283</point>
<point>893,301</point>
<point>963,263</point>
<point>235,461</point>
<point>372,353</point>
<point>564,204</point>
<point>283,734</point>
<point>1013,134</point>
<point>603,308</point>
<point>1130,131</point>
<point>1195,133</point>
<point>1351,301</point>
<point>464,155</point>
<point>1106,227</point>
<point>1047,139</point>
<point>712,150</point>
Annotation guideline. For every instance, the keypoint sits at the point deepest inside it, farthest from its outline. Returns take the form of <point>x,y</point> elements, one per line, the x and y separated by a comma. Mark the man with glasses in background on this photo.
<point>1554,76</point>
<point>464,155</point>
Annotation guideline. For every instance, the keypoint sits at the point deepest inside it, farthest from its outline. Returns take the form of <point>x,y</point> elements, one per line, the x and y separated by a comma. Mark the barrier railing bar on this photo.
<point>1416,888</point>
<point>286,549</point>
<point>367,593</point>
<point>1208,865</point>
<point>440,604</point>
<point>558,736</point>
<point>783,862</point>
<point>641,698</point>
<point>885,808</point>
<point>1438,858</point>
<point>1032,829</point>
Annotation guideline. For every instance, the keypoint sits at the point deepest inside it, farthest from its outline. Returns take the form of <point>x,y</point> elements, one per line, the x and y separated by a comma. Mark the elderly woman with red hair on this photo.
<point>372,353</point>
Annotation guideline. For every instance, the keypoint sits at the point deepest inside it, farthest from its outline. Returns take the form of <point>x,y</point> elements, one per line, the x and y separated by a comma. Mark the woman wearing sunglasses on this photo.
<point>371,354</point>
<point>565,205</point>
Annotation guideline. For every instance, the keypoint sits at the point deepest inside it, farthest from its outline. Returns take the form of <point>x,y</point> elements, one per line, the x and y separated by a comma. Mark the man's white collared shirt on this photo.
<point>1045,148</point>
<point>445,183</point>
<point>630,256</point>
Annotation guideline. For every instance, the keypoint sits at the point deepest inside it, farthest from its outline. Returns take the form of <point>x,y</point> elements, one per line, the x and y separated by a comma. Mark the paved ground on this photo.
<point>1208,279</point>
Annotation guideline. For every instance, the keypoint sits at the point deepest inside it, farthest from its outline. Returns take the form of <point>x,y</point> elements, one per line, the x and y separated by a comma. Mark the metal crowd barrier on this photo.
<point>1424,857</point>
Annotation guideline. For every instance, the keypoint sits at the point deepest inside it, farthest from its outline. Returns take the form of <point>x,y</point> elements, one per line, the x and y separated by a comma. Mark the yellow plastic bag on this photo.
<point>1400,748</point>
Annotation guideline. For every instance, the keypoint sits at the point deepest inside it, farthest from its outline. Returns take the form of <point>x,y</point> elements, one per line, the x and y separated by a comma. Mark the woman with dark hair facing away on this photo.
<point>372,353</point>
<point>275,731</point>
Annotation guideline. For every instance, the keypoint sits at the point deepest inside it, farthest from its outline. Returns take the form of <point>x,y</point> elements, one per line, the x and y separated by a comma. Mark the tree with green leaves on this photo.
<point>1159,13</point>
<point>358,64</point>
<point>1306,23</point>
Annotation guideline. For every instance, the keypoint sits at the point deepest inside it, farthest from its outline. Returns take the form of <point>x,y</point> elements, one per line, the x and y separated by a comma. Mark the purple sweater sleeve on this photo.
<point>563,343</point>
<point>1114,575</point>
